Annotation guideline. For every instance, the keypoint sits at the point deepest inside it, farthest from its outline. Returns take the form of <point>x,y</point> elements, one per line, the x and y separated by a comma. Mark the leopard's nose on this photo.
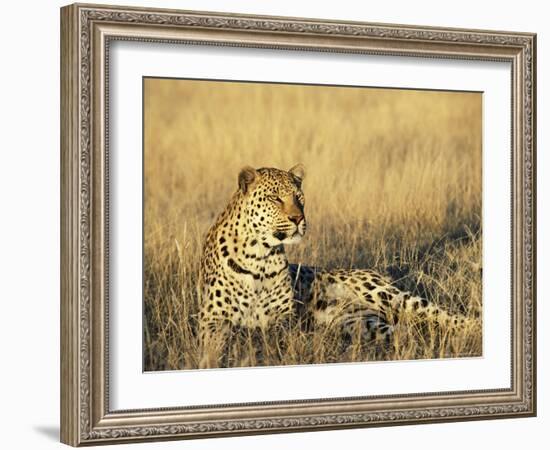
<point>296,219</point>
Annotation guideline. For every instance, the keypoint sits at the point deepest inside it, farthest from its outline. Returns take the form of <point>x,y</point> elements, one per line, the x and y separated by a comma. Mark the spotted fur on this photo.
<point>244,270</point>
<point>246,279</point>
<point>352,298</point>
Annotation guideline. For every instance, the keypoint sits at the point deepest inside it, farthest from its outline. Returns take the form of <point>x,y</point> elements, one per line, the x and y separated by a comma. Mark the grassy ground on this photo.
<point>393,183</point>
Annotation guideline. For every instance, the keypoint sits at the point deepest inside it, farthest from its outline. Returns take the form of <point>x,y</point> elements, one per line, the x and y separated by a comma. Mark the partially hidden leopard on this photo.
<point>247,281</point>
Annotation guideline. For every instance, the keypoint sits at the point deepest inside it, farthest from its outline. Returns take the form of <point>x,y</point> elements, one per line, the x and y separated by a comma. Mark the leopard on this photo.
<point>247,281</point>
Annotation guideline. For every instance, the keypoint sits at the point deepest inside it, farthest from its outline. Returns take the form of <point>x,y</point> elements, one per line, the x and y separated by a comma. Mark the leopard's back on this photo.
<point>352,298</point>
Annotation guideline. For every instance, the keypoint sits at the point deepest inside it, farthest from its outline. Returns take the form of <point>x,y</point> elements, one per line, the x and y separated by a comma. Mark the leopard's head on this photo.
<point>274,203</point>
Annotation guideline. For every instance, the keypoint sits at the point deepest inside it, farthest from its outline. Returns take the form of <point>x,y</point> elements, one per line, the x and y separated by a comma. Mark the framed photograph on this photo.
<point>275,224</point>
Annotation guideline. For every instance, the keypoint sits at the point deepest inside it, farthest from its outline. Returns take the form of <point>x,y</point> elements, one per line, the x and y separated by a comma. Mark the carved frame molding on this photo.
<point>86,32</point>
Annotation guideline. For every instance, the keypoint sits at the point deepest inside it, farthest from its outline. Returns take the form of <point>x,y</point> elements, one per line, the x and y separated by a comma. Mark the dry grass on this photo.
<point>393,183</point>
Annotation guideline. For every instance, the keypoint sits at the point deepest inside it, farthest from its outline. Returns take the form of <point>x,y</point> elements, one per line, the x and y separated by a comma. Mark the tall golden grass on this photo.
<point>393,183</point>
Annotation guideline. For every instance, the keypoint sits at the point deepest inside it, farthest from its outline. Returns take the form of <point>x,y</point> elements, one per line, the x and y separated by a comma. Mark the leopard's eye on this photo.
<point>275,199</point>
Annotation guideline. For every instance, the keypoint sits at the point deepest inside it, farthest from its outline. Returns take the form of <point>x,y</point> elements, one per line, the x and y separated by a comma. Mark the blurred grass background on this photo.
<point>393,183</point>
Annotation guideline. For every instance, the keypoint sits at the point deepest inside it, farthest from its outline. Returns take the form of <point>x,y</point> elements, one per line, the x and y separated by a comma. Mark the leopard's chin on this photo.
<point>294,239</point>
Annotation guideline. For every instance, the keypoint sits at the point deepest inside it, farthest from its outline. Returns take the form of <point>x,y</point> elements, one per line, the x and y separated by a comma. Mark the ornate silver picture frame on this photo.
<point>87,34</point>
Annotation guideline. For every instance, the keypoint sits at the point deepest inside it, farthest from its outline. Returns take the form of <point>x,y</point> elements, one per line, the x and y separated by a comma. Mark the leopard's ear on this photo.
<point>298,171</point>
<point>247,176</point>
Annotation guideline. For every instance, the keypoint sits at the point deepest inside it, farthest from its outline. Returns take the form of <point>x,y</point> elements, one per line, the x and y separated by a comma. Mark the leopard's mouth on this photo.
<point>281,235</point>
<point>290,236</point>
